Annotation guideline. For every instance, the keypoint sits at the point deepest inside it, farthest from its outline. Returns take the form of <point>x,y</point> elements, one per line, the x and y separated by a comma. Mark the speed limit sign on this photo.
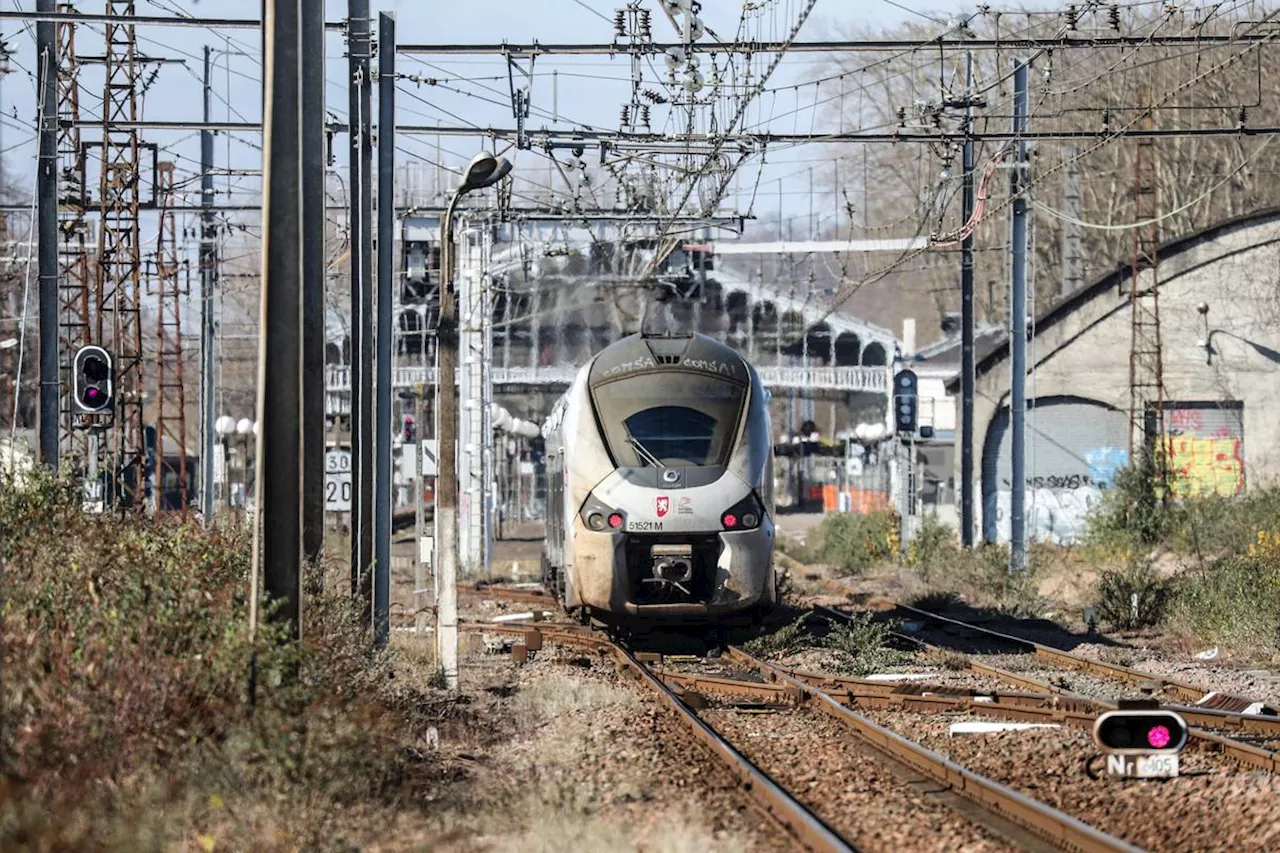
<point>337,481</point>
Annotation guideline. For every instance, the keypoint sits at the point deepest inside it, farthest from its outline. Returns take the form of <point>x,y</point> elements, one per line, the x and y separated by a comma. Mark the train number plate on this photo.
<point>644,526</point>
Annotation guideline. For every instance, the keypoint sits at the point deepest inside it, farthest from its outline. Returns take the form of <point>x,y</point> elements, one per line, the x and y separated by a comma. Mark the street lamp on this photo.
<point>224,427</point>
<point>484,170</point>
<point>245,428</point>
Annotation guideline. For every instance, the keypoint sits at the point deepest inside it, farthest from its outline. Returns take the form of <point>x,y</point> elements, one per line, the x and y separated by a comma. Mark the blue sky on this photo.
<point>589,89</point>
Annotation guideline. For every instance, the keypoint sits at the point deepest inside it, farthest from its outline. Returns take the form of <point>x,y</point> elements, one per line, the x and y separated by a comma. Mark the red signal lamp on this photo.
<point>615,520</point>
<point>729,520</point>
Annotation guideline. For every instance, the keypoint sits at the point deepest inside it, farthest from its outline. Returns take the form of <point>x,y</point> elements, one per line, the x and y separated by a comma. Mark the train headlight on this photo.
<point>750,519</point>
<point>595,521</point>
<point>615,520</point>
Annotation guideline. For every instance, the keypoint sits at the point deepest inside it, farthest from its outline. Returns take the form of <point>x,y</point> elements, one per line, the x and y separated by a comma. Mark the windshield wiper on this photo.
<point>643,451</point>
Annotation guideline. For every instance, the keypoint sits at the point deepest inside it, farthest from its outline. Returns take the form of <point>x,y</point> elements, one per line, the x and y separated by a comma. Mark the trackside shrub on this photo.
<point>1234,601</point>
<point>1133,598</point>
<point>123,720</point>
<point>851,543</point>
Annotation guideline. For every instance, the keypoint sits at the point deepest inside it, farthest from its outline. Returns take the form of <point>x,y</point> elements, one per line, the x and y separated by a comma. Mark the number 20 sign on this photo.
<point>337,481</point>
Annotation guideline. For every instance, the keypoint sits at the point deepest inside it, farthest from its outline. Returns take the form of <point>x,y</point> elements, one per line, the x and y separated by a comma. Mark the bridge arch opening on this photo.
<point>848,350</point>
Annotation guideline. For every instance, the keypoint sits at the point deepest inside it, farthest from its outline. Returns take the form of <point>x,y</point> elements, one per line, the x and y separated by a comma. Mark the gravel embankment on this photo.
<point>856,794</point>
<point>1214,806</point>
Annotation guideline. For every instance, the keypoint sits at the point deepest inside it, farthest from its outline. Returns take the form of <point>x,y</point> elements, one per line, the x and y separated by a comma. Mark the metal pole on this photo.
<point>967,375</point>
<point>313,279</point>
<point>208,273</point>
<point>386,242</point>
<point>361,169</point>
<point>47,189</point>
<point>446,562</point>
<point>278,516</point>
<point>1018,330</point>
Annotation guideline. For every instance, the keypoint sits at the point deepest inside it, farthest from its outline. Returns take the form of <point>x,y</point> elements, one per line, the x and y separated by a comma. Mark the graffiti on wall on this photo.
<point>1206,466</point>
<point>1104,462</point>
<point>1057,505</point>
<point>1057,516</point>
<point>1205,454</point>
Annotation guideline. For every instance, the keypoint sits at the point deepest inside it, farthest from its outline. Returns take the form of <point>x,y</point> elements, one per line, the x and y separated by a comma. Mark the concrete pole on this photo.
<point>208,276</point>
<point>446,512</point>
<point>313,279</point>
<point>47,234</point>
<point>1018,330</point>
<point>386,285</point>
<point>278,517</point>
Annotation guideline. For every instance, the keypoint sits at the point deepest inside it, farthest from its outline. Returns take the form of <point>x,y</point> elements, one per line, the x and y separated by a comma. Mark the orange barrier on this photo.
<point>850,499</point>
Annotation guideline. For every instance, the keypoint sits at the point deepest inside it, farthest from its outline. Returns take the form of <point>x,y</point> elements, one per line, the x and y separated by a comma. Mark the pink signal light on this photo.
<point>1159,737</point>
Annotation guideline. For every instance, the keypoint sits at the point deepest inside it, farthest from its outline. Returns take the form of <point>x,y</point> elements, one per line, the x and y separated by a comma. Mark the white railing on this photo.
<point>822,378</point>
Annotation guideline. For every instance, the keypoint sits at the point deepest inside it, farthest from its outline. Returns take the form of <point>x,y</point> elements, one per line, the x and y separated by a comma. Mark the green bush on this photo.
<point>1133,598</point>
<point>1234,601</point>
<point>124,722</point>
<point>934,548</point>
<point>851,543</point>
<point>857,644</point>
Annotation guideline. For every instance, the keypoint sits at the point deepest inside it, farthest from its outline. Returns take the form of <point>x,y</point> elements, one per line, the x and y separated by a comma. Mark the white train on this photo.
<point>660,487</point>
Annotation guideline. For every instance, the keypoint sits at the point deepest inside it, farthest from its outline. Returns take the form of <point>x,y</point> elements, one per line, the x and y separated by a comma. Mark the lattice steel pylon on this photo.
<point>171,406</point>
<point>119,268</point>
<point>74,318</point>
<point>1146,354</point>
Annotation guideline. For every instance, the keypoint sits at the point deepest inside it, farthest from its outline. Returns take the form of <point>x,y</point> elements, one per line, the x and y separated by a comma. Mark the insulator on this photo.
<point>1106,119</point>
<point>654,96</point>
<point>646,29</point>
<point>1113,17</point>
<point>644,115</point>
<point>902,116</point>
<point>1243,118</point>
<point>626,115</point>
<point>1071,17</point>
<point>620,23</point>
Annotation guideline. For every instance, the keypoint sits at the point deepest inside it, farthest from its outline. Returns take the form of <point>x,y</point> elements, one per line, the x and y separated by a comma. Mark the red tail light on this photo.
<point>730,520</point>
<point>615,520</point>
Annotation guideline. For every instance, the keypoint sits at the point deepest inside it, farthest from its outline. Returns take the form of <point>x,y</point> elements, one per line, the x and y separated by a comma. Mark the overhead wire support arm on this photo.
<point>839,46</point>
<point>593,138</point>
<point>146,20</point>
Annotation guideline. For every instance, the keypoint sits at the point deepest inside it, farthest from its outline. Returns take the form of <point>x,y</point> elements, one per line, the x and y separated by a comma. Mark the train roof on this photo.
<point>650,353</point>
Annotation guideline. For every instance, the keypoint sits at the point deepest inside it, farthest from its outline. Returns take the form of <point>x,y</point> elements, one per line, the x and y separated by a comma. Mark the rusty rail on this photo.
<point>1246,754</point>
<point>1003,802</point>
<point>803,825</point>
<point>1184,691</point>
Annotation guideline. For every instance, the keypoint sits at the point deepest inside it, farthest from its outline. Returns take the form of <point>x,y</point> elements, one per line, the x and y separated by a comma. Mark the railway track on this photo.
<point>723,703</point>
<point>1213,728</point>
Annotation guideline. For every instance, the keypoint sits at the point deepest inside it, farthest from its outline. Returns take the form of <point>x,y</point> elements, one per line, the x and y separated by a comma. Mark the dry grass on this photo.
<point>557,695</point>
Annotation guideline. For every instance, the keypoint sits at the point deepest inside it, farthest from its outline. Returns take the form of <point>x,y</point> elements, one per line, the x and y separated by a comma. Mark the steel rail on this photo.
<point>1003,802</point>
<point>803,825</point>
<point>1181,689</point>
<point>1244,753</point>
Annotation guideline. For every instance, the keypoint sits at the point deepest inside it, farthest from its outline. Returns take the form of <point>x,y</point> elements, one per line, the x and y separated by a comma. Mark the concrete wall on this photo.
<point>1082,346</point>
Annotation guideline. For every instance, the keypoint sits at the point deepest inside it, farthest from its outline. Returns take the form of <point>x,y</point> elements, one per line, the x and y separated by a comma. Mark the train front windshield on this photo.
<point>670,418</point>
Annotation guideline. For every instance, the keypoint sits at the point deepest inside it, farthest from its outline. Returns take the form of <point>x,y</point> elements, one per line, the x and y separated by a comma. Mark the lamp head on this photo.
<point>484,170</point>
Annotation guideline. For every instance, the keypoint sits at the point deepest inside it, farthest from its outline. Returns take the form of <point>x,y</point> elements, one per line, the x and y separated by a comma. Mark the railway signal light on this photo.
<point>905,397</point>
<point>1134,732</point>
<point>91,378</point>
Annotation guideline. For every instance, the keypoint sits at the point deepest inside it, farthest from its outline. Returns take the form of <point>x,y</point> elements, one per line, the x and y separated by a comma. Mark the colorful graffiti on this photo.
<point>1206,466</point>
<point>1104,462</point>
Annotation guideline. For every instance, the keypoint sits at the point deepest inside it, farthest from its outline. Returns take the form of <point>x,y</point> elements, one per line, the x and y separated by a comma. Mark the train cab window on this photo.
<point>651,420</point>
